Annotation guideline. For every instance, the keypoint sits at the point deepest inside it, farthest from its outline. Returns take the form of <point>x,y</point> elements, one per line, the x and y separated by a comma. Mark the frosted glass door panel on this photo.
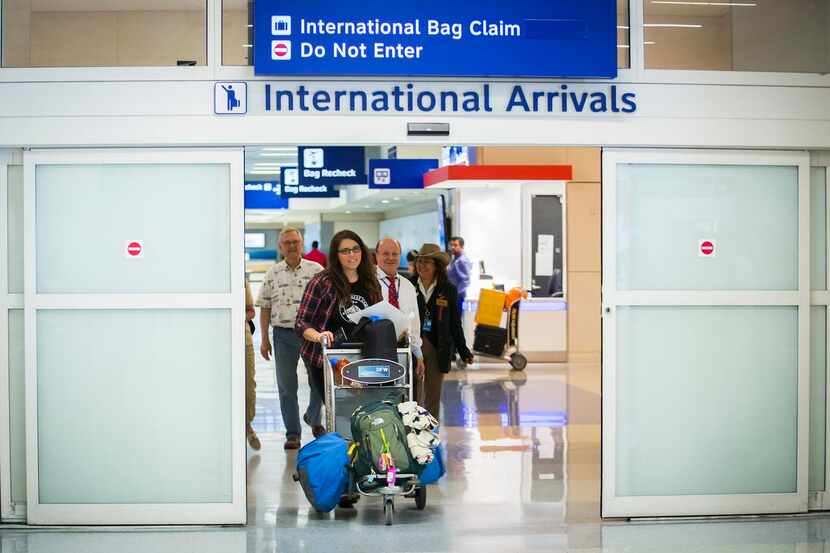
<point>162,378</point>
<point>14,196</point>
<point>88,214</point>
<point>17,406</point>
<point>665,211</point>
<point>818,228</point>
<point>706,400</point>
<point>818,396</point>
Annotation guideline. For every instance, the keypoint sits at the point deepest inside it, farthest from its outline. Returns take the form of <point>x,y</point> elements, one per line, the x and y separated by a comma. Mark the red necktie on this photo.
<point>393,292</point>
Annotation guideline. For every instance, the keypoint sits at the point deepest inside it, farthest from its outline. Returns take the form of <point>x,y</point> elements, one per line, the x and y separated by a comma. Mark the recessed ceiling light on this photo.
<point>397,199</point>
<point>674,25</point>
<point>384,201</point>
<point>348,212</point>
<point>687,3</point>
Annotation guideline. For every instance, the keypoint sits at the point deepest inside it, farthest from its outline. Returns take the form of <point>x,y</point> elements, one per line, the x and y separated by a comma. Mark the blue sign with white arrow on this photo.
<point>485,38</point>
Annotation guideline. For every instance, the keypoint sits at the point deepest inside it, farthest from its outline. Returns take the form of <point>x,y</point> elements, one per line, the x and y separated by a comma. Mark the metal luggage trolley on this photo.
<point>362,381</point>
<point>510,352</point>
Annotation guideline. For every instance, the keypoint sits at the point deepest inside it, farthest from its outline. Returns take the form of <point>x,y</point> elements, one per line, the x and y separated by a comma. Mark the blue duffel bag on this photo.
<point>322,470</point>
<point>435,469</point>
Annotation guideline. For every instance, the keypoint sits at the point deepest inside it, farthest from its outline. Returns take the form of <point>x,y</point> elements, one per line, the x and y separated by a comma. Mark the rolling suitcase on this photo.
<point>490,340</point>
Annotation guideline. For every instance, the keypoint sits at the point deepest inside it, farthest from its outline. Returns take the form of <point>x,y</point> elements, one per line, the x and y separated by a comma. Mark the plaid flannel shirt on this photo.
<point>315,311</point>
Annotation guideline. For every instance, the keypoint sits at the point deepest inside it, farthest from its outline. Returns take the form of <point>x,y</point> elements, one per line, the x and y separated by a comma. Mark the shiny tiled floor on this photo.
<point>523,476</point>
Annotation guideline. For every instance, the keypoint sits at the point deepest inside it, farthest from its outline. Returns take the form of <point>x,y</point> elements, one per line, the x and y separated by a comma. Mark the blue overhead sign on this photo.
<point>293,188</point>
<point>264,195</point>
<point>332,165</point>
<point>399,173</point>
<point>485,38</point>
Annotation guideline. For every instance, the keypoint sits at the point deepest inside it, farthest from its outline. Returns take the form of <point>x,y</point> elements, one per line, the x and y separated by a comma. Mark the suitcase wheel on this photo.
<point>421,498</point>
<point>518,361</point>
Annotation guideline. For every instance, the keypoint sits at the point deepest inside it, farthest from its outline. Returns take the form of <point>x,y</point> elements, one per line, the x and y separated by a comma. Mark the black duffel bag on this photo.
<point>377,337</point>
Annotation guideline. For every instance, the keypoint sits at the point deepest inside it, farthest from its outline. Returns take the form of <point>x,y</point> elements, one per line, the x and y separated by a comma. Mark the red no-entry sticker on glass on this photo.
<point>706,248</point>
<point>134,249</point>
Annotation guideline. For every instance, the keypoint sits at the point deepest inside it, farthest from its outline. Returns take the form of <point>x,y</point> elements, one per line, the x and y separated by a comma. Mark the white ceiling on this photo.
<point>695,10</point>
<point>268,154</point>
<point>307,210</point>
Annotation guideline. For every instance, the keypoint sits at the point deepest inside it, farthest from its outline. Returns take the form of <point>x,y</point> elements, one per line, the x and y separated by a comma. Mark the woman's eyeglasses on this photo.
<point>347,251</point>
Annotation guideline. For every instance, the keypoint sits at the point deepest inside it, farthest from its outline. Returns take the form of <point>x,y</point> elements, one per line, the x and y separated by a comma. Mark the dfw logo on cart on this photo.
<point>281,26</point>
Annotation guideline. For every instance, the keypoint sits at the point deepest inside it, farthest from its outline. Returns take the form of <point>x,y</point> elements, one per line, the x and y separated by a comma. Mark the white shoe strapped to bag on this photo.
<point>421,438</point>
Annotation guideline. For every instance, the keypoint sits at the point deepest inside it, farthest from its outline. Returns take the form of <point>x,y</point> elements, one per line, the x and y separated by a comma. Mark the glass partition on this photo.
<point>129,415</point>
<point>101,33</point>
<point>749,214</point>
<point>762,35</point>
<point>712,415</point>
<point>178,248</point>
<point>237,32</point>
<point>623,35</point>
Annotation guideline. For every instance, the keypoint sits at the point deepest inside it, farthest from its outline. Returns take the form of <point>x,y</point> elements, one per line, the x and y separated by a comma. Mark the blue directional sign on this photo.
<point>293,188</point>
<point>485,38</point>
<point>264,195</point>
<point>332,165</point>
<point>399,173</point>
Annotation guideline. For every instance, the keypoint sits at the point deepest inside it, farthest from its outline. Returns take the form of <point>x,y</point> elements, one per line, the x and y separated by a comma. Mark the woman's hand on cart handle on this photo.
<point>420,369</point>
<point>326,338</point>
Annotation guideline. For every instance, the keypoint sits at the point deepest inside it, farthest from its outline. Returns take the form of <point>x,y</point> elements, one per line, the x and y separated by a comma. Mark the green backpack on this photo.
<point>377,428</point>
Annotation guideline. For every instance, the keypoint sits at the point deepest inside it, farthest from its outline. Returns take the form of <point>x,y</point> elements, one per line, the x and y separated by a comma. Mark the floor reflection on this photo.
<point>523,460</point>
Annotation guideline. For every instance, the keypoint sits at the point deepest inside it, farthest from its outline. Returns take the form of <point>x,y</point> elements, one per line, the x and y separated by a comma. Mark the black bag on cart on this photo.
<point>490,340</point>
<point>378,338</point>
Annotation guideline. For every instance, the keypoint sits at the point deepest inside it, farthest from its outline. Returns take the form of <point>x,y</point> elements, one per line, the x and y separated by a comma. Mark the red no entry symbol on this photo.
<point>134,249</point>
<point>707,248</point>
<point>280,49</point>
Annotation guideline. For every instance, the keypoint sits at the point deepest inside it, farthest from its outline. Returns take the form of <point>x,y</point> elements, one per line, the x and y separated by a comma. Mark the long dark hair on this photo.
<point>366,273</point>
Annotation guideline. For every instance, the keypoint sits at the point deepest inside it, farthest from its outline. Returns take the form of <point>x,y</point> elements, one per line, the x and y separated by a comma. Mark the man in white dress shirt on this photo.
<point>400,292</point>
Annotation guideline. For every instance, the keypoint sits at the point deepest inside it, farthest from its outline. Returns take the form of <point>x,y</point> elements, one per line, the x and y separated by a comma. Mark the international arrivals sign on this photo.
<point>483,38</point>
<point>407,98</point>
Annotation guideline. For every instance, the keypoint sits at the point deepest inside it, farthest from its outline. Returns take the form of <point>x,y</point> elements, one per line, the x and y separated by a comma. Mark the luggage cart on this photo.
<point>509,351</point>
<point>361,381</point>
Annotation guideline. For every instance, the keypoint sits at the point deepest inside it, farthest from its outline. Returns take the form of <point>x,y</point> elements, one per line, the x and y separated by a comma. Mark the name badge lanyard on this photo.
<point>427,323</point>
<point>427,326</point>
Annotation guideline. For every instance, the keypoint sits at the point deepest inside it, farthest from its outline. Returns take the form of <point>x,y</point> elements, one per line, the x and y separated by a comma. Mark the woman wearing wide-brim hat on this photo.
<point>440,323</point>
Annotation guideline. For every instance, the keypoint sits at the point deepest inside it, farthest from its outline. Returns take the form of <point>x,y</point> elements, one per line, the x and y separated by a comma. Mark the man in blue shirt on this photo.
<point>459,269</point>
